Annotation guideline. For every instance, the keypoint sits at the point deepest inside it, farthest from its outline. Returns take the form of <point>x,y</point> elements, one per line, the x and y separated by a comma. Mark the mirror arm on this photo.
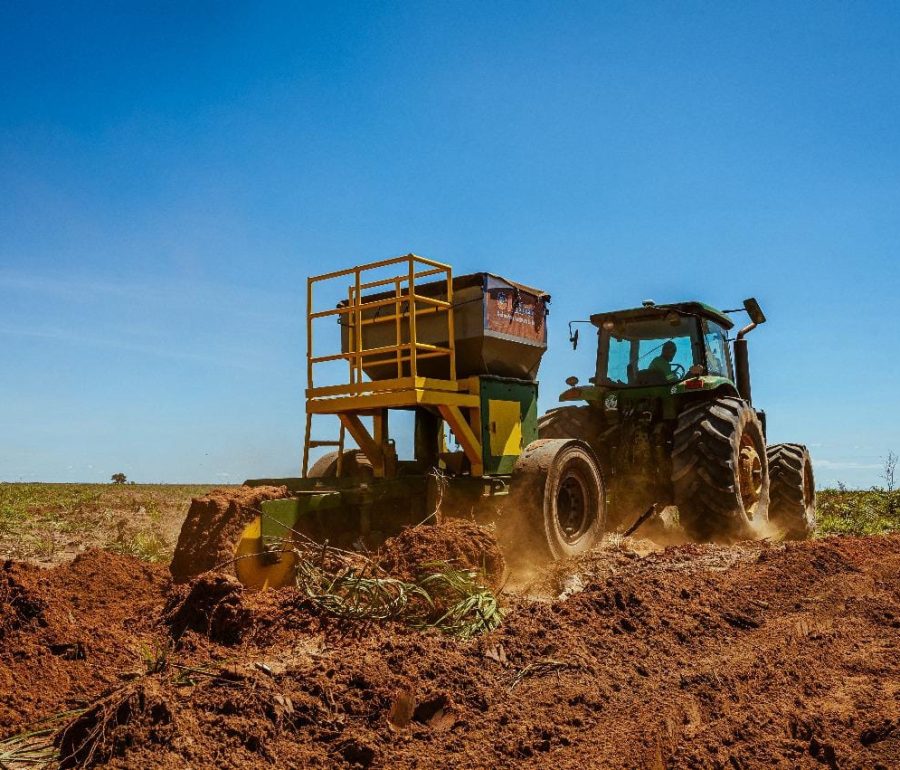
<point>573,335</point>
<point>751,308</point>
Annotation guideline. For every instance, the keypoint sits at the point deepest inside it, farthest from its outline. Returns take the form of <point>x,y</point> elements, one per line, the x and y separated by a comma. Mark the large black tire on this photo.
<point>557,505</point>
<point>355,465</point>
<point>569,422</point>
<point>792,490</point>
<point>719,470</point>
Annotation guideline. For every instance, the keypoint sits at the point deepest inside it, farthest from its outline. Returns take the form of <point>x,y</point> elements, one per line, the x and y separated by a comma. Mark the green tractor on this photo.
<point>670,418</point>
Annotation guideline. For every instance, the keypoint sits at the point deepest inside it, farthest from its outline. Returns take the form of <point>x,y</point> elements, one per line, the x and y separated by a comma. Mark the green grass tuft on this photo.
<point>146,544</point>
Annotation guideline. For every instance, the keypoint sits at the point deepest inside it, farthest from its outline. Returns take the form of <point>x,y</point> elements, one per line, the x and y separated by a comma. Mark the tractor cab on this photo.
<point>663,345</point>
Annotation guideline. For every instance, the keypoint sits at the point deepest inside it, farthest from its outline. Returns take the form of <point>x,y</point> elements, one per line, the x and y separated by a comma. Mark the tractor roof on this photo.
<point>649,311</point>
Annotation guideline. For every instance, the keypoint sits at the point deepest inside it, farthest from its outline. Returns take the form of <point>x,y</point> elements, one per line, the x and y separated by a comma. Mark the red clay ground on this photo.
<point>754,656</point>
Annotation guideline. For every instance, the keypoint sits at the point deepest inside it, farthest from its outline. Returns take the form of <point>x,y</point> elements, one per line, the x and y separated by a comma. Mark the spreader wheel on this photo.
<point>354,465</point>
<point>557,505</point>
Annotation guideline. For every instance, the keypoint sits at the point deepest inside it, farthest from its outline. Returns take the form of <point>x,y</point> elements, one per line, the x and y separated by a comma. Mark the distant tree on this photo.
<point>118,478</point>
<point>888,471</point>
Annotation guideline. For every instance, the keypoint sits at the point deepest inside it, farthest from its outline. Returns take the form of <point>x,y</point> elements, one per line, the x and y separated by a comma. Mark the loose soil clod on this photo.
<point>457,542</point>
<point>107,728</point>
<point>211,604</point>
<point>19,603</point>
<point>212,527</point>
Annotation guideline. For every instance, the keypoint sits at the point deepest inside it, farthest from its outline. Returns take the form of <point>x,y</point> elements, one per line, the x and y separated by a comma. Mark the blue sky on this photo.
<point>171,172</point>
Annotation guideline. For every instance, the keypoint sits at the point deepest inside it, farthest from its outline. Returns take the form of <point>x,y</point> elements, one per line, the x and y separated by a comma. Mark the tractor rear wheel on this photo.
<point>557,502</point>
<point>569,422</point>
<point>792,490</point>
<point>719,470</point>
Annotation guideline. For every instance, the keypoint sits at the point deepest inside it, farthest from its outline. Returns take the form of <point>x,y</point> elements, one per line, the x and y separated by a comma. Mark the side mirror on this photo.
<point>573,338</point>
<point>754,311</point>
<point>571,381</point>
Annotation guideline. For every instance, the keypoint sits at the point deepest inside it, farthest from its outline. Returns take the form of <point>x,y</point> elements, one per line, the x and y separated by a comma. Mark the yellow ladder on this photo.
<point>311,443</point>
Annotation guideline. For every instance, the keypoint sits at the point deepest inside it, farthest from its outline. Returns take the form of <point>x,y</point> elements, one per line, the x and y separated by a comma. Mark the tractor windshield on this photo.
<point>648,351</point>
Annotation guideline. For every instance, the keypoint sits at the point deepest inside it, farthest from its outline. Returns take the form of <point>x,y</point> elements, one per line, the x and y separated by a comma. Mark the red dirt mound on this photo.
<point>459,543</point>
<point>213,524</point>
<point>107,728</point>
<point>95,614</point>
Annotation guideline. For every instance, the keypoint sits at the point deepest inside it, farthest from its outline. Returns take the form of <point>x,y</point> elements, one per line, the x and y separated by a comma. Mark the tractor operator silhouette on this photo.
<point>661,366</point>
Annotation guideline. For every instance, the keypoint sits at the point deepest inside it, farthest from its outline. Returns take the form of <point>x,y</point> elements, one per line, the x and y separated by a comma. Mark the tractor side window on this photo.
<point>718,362</point>
<point>619,360</point>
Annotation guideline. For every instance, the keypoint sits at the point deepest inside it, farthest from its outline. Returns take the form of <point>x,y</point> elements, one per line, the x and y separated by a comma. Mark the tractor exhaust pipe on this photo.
<point>742,367</point>
<point>741,356</point>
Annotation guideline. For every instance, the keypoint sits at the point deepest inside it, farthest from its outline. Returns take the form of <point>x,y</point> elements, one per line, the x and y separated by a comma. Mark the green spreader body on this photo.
<point>341,510</point>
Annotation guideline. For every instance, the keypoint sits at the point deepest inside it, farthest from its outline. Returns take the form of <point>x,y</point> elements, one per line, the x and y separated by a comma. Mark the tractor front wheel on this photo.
<point>792,490</point>
<point>719,470</point>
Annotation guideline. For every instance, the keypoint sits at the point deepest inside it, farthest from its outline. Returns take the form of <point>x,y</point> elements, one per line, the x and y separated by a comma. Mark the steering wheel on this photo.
<point>678,371</point>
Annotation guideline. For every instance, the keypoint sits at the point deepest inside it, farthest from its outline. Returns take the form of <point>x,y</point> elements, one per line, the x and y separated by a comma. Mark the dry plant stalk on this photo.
<point>351,586</point>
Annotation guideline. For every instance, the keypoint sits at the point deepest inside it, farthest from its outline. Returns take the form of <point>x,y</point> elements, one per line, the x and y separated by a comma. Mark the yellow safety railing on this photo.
<point>380,328</point>
<point>402,307</point>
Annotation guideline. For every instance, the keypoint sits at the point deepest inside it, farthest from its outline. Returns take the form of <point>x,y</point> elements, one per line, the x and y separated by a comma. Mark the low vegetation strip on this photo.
<point>51,523</point>
<point>854,512</point>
